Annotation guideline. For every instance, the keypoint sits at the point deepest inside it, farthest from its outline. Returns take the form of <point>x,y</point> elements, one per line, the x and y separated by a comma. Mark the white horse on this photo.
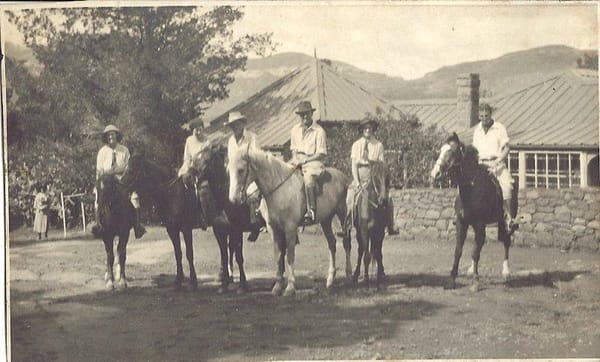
<point>282,187</point>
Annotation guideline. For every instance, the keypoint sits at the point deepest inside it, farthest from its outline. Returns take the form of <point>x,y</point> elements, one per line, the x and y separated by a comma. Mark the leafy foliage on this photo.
<point>411,148</point>
<point>147,70</point>
<point>588,61</point>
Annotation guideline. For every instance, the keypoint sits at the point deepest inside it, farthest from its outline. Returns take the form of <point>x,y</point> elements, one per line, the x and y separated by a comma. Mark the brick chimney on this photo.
<point>467,100</point>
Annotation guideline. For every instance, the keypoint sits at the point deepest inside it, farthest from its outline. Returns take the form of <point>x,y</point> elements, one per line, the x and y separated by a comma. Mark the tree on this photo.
<point>411,148</point>
<point>588,61</point>
<point>146,69</point>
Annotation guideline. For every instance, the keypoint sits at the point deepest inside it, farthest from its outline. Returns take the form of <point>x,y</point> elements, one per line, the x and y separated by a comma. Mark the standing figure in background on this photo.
<point>308,143</point>
<point>242,138</point>
<point>40,209</point>
<point>112,159</point>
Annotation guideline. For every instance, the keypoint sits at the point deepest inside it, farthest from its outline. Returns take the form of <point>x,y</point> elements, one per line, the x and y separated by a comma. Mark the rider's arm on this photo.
<point>320,147</point>
<point>505,149</point>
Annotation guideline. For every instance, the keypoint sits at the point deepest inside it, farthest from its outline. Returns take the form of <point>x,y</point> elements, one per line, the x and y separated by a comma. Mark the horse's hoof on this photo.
<point>450,285</point>
<point>109,285</point>
<point>122,284</point>
<point>106,277</point>
<point>290,291</point>
<point>242,289</point>
<point>330,280</point>
<point>471,270</point>
<point>348,273</point>
<point>193,284</point>
<point>277,289</point>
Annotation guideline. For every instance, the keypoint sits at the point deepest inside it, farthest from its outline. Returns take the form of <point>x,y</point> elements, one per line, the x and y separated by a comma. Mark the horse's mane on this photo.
<point>471,155</point>
<point>276,168</point>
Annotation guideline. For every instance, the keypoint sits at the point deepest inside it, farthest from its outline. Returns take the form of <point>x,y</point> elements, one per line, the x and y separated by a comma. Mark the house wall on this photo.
<point>567,218</point>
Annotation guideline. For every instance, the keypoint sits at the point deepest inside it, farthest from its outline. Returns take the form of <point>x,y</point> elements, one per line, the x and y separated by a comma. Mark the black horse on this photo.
<point>231,220</point>
<point>117,215</point>
<point>479,203</point>
<point>175,202</point>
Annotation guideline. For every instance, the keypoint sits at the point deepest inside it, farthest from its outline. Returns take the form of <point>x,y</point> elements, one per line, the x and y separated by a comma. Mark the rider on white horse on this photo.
<point>309,147</point>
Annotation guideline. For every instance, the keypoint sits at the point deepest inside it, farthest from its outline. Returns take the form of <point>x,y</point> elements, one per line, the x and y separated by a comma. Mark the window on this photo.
<point>513,165</point>
<point>551,170</point>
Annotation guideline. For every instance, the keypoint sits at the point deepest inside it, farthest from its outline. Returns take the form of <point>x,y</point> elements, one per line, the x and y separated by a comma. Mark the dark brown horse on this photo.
<point>231,220</point>
<point>478,203</point>
<point>176,204</point>
<point>117,216</point>
<point>369,219</point>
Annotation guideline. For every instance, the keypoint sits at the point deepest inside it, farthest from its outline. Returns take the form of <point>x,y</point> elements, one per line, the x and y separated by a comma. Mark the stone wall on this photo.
<point>568,218</point>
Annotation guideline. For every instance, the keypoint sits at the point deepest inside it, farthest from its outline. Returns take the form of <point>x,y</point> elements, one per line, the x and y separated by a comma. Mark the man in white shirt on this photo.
<point>112,159</point>
<point>309,147</point>
<point>367,162</point>
<point>491,141</point>
<point>242,139</point>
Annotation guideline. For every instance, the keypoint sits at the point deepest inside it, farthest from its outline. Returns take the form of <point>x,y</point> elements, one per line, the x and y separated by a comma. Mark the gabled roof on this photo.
<point>559,112</point>
<point>271,111</point>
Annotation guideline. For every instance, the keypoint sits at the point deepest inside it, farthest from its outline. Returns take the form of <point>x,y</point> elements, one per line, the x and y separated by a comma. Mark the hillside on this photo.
<point>507,73</point>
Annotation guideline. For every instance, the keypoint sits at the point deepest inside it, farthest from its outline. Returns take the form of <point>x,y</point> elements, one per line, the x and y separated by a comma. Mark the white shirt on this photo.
<point>248,138</point>
<point>191,150</point>
<point>104,160</point>
<point>490,144</point>
<point>375,151</point>
<point>310,142</point>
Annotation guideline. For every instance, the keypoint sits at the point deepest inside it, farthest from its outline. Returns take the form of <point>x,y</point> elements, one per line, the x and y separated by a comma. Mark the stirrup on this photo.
<point>310,217</point>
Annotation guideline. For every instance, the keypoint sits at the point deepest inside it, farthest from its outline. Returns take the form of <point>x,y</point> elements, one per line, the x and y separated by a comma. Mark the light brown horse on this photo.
<point>282,187</point>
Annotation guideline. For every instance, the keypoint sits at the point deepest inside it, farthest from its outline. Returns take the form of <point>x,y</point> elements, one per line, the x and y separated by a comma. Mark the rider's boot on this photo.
<point>311,209</point>
<point>138,229</point>
<point>390,215</point>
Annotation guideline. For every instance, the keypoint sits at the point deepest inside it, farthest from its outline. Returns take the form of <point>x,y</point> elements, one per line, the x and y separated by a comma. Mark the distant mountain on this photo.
<point>504,74</point>
<point>507,73</point>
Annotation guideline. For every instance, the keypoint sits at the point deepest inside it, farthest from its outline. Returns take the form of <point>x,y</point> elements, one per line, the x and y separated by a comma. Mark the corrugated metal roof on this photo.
<point>559,112</point>
<point>271,115</point>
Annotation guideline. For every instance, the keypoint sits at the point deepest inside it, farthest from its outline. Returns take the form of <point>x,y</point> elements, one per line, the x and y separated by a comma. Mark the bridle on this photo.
<point>249,167</point>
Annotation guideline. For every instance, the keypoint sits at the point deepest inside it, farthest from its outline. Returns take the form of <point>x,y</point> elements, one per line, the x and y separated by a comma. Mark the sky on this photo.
<point>411,39</point>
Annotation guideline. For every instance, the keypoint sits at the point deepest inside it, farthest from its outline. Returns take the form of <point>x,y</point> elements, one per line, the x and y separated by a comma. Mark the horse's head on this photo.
<point>451,155</point>
<point>241,175</point>
<point>209,164</point>
<point>135,171</point>
<point>108,190</point>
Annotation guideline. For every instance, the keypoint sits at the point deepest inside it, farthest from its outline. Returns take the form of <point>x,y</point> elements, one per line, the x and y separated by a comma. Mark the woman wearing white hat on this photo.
<point>242,138</point>
<point>112,159</point>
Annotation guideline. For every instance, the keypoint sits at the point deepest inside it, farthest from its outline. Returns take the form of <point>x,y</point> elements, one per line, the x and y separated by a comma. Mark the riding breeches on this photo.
<point>311,171</point>
<point>503,176</point>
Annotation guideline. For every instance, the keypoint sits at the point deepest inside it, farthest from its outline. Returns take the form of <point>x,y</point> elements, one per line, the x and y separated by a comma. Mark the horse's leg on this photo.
<point>505,237</point>
<point>110,259</point>
<point>479,240</point>
<point>279,254</point>
<point>461,235</point>
<point>346,241</point>
<point>291,237</point>
<point>189,253</point>
<point>236,238</point>
<point>377,251</point>
<point>122,252</point>
<point>326,226</point>
<point>361,251</point>
<point>231,246</point>
<point>221,234</point>
<point>366,256</point>
<point>176,240</point>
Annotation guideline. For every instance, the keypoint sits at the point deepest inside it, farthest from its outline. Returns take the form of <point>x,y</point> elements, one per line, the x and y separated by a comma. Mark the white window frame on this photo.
<point>523,174</point>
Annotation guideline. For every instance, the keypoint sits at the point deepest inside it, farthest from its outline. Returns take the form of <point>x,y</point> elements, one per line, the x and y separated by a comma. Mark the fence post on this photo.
<point>83,214</point>
<point>62,204</point>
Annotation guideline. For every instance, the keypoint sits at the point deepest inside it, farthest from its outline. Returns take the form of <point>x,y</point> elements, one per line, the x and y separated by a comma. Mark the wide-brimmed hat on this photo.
<point>235,117</point>
<point>374,124</point>
<point>111,128</point>
<point>197,123</point>
<point>304,107</point>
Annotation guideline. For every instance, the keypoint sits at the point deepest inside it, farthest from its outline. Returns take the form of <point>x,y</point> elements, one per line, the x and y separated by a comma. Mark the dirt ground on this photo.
<point>60,310</point>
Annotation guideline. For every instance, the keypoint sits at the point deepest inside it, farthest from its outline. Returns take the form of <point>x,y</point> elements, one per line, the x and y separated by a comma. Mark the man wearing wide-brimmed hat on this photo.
<point>245,139</point>
<point>309,147</point>
<point>367,160</point>
<point>112,159</point>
